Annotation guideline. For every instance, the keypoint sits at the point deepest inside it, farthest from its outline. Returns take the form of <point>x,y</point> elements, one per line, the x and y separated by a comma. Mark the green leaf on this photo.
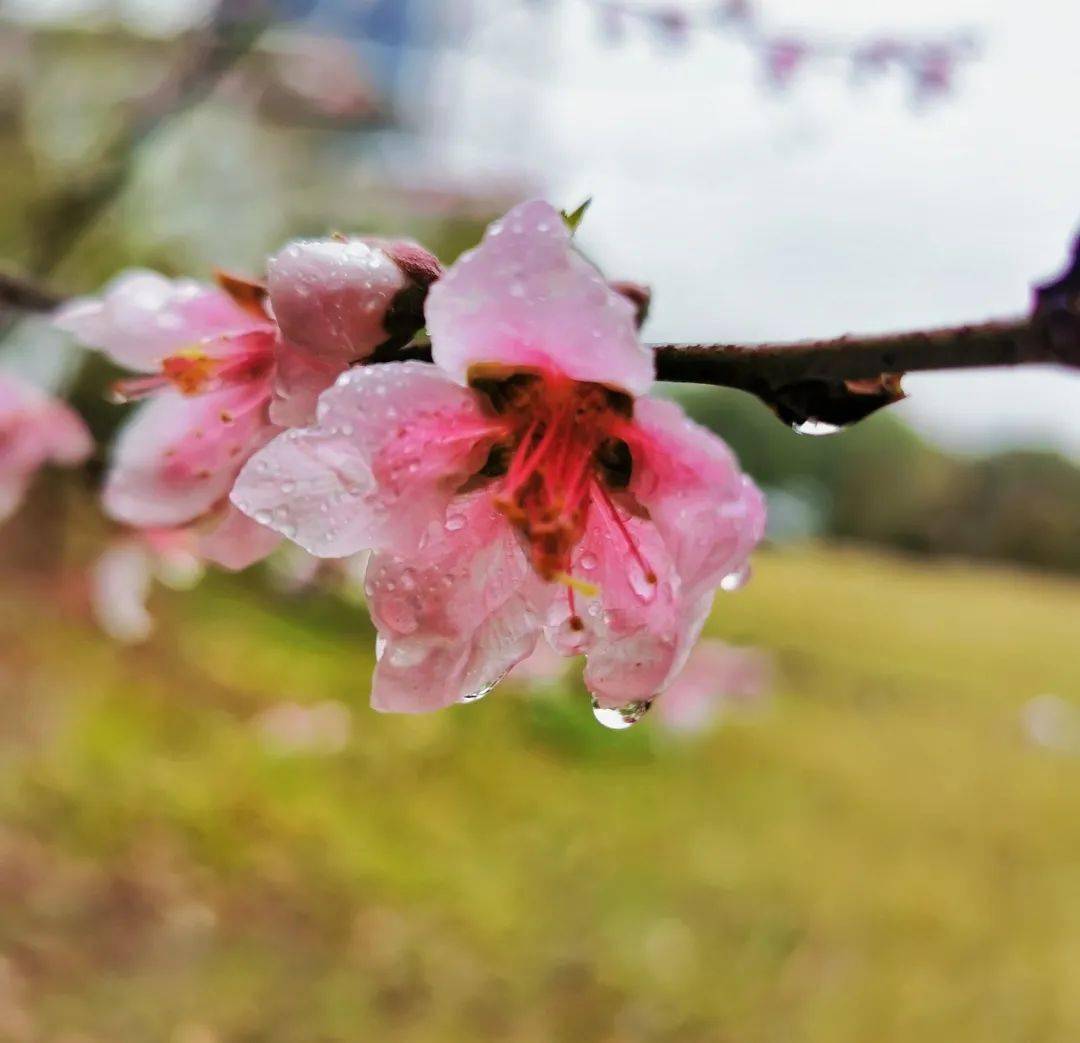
<point>574,218</point>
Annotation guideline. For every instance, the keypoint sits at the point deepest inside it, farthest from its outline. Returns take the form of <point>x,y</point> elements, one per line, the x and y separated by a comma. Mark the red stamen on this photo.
<point>575,620</point>
<point>650,576</point>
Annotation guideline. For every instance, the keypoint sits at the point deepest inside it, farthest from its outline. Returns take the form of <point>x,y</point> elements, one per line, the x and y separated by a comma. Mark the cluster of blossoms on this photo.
<point>929,65</point>
<point>520,488</point>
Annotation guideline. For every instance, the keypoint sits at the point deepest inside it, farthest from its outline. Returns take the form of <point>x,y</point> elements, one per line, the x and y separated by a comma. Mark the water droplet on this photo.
<point>517,289</point>
<point>288,487</point>
<point>263,517</point>
<point>588,562</point>
<point>736,580</point>
<point>644,586</point>
<point>619,718</point>
<point>815,428</point>
<point>408,579</point>
<point>475,697</point>
<point>455,523</point>
<point>347,430</point>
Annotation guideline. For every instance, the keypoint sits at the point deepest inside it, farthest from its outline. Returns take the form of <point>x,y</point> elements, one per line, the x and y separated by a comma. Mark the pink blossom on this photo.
<point>35,430</point>
<point>227,366</point>
<point>716,679</point>
<point>518,487</point>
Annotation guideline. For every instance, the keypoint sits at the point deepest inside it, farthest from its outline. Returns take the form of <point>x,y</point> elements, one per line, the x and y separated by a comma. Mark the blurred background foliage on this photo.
<point>885,853</point>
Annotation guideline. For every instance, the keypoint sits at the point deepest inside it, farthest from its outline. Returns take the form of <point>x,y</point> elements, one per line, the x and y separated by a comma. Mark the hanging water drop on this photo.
<point>815,428</point>
<point>736,580</point>
<point>475,697</point>
<point>619,718</point>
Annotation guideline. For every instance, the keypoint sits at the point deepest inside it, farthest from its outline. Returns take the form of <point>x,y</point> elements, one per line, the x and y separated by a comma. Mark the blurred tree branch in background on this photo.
<point>209,54</point>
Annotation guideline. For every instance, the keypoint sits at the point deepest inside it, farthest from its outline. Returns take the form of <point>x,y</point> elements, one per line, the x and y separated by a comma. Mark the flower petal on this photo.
<point>120,586</point>
<point>299,379</point>
<point>234,541</point>
<point>526,298</point>
<point>635,632</point>
<point>710,514</point>
<point>142,317</point>
<point>715,678</point>
<point>34,430</point>
<point>66,435</point>
<point>454,618</point>
<point>391,446</point>
<point>177,457</point>
<point>330,296</point>
<point>12,491</point>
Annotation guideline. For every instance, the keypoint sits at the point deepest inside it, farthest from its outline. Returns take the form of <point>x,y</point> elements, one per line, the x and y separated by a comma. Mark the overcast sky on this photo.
<point>821,211</point>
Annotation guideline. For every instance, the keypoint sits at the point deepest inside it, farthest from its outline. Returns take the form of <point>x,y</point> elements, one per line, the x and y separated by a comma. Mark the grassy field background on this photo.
<point>881,856</point>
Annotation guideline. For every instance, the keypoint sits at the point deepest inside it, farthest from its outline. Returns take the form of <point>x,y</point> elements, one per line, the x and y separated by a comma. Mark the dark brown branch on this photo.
<point>19,294</point>
<point>1008,342</point>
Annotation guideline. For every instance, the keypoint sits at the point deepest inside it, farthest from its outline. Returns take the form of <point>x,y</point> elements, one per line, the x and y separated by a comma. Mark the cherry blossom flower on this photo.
<point>717,679</point>
<point>35,429</point>
<point>518,487</point>
<point>226,366</point>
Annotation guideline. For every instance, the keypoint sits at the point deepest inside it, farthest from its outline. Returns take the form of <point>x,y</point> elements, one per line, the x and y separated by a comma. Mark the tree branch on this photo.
<point>20,294</point>
<point>211,52</point>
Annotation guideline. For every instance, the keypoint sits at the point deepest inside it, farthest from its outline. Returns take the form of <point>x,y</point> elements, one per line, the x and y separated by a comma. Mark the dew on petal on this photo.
<point>643,585</point>
<point>455,523</point>
<point>619,718</point>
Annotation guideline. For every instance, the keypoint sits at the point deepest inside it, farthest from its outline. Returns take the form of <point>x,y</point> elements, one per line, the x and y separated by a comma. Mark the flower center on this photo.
<point>563,450</point>
<point>193,371</point>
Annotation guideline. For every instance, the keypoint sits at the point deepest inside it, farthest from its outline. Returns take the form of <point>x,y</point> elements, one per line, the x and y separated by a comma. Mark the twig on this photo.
<point>211,53</point>
<point>1008,342</point>
<point>20,294</point>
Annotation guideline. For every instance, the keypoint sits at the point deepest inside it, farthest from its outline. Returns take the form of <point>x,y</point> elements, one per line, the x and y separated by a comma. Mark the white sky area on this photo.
<point>819,211</point>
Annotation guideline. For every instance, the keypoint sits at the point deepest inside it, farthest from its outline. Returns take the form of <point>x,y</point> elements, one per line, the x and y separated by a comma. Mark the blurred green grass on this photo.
<point>880,857</point>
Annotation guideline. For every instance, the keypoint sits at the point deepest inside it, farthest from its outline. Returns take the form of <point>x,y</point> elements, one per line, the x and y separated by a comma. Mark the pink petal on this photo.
<point>526,297</point>
<point>391,446</point>
<point>234,541</point>
<point>35,429</point>
<point>709,514</point>
<point>119,589</point>
<point>12,490</point>
<point>716,677</point>
<point>142,317</point>
<point>177,457</point>
<point>455,617</point>
<point>300,378</point>
<point>330,296</point>
<point>66,435</point>
<point>635,633</point>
